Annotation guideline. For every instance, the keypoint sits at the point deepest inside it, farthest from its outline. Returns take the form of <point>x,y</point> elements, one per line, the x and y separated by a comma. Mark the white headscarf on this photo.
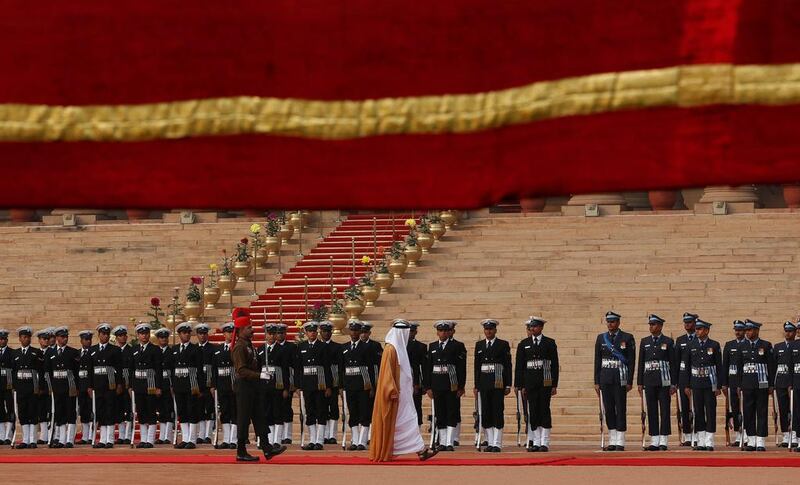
<point>407,438</point>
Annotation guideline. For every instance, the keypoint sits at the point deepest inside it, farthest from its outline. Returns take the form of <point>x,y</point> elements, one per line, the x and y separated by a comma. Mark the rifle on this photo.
<point>216,418</point>
<point>133,420</point>
<point>345,413</point>
<point>94,418</point>
<point>519,422</point>
<point>791,417</point>
<point>728,419</point>
<point>679,415</point>
<point>741,422</point>
<point>478,422</point>
<point>302,420</point>
<point>691,418</point>
<point>644,415</point>
<point>16,416</point>
<point>52,430</point>
<point>433,423</point>
<point>775,412</point>
<point>602,420</point>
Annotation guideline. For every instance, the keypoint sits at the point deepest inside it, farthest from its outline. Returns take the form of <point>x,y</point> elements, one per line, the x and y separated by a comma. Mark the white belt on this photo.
<point>266,372</point>
<point>83,373</point>
<point>652,365</point>
<point>165,373</point>
<point>535,364</point>
<point>352,371</point>
<point>440,369</point>
<point>181,372</point>
<point>783,369</point>
<point>60,374</point>
<point>610,364</point>
<point>141,373</point>
<point>487,367</point>
<point>24,374</point>
<point>224,371</point>
<point>732,370</point>
<point>310,370</point>
<point>797,368</point>
<point>701,371</point>
<point>3,372</point>
<point>101,370</point>
<point>749,368</point>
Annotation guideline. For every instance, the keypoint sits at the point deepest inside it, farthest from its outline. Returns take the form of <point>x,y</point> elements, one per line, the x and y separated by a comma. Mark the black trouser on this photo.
<point>783,407</point>
<point>166,408</point>
<point>315,406</point>
<point>123,406</point>
<point>43,407</point>
<point>686,410</point>
<point>250,408</point>
<point>277,408</point>
<point>146,408</point>
<point>734,413</point>
<point>755,403</point>
<point>286,411</point>
<point>796,410</point>
<point>6,406</point>
<point>418,406</point>
<point>85,406</point>
<point>492,408</point>
<point>358,407</point>
<point>705,409</point>
<point>65,408</point>
<point>189,407</point>
<point>28,407</point>
<point>446,403</point>
<point>207,405</point>
<point>227,407</point>
<point>332,405</point>
<point>657,400</point>
<point>105,406</point>
<point>615,400</point>
<point>538,399</point>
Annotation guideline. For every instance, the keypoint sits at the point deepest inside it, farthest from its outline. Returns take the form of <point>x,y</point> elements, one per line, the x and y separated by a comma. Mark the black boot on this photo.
<point>242,454</point>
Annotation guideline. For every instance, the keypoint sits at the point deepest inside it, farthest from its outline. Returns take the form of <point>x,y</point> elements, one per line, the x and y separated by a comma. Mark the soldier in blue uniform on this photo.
<point>704,362</point>
<point>271,381</point>
<point>444,378</point>
<point>794,350</point>
<point>334,358</point>
<point>188,385</point>
<point>756,371</point>
<point>783,378</point>
<point>222,381</point>
<point>657,378</point>
<point>62,367</point>
<point>536,377</point>
<point>27,366</point>
<point>124,408</point>
<point>207,419</point>
<point>288,356</point>
<point>166,401</point>
<point>314,379</point>
<point>492,379</point>
<point>7,416</point>
<point>416,356</point>
<point>730,381</point>
<point>107,384</point>
<point>46,344</point>
<point>146,376</point>
<point>681,349</point>
<point>84,387</point>
<point>614,366</point>
<point>358,383</point>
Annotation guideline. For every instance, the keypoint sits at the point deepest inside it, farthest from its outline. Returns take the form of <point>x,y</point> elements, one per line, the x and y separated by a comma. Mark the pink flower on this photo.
<point>155,301</point>
<point>318,305</point>
<point>271,216</point>
<point>352,282</point>
<point>196,280</point>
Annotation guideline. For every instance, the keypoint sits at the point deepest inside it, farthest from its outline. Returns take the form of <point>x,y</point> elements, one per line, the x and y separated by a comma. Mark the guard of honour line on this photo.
<point>196,393</point>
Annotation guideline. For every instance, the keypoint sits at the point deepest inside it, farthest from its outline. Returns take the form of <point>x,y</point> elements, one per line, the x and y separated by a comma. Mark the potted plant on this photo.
<point>241,265</point>
<point>319,312</point>
<point>155,313</point>
<point>272,241</point>
<point>662,200</point>
<point>448,218</point>
<point>412,250</point>
<point>211,292</point>
<point>369,292</point>
<point>227,280</point>
<point>424,235</point>
<point>337,315</point>
<point>193,307</point>
<point>397,259</point>
<point>383,278</point>
<point>174,313</point>
<point>436,225</point>
<point>354,304</point>
<point>286,230</point>
<point>258,253</point>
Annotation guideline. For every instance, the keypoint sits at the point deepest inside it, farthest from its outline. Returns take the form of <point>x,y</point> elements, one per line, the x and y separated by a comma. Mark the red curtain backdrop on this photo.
<point>91,52</point>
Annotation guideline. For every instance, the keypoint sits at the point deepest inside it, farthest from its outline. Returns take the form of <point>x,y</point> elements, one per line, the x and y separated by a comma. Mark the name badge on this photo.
<point>710,350</point>
<point>663,346</point>
<point>761,351</point>
<point>623,345</point>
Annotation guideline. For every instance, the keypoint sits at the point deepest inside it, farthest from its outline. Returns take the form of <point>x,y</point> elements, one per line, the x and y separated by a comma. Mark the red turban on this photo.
<point>241,319</point>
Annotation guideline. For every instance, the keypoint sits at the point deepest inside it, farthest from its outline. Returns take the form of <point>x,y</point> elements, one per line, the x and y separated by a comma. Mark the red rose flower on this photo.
<point>196,280</point>
<point>155,301</point>
<point>244,240</point>
<point>352,281</point>
<point>318,305</point>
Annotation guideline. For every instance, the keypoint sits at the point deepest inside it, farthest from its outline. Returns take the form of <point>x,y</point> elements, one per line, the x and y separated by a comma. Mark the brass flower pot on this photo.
<point>354,309</point>
<point>449,218</point>
<point>286,232</point>
<point>384,281</point>
<point>173,322</point>
<point>242,269</point>
<point>273,245</point>
<point>192,310</point>
<point>438,230</point>
<point>227,283</point>
<point>397,266</point>
<point>339,320</point>
<point>262,257</point>
<point>370,294</point>
<point>211,297</point>
<point>424,241</point>
<point>413,253</point>
<point>296,220</point>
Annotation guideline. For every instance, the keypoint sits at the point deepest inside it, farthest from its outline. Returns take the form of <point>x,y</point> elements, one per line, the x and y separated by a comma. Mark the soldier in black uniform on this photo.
<point>188,385</point>
<point>7,417</point>
<point>107,384</point>
<point>334,357</point>
<point>614,365</point>
<point>366,333</point>
<point>84,386</point>
<point>222,384</point>
<point>794,349</point>
<point>457,433</point>
<point>358,384</point>
<point>756,371</point>
<point>62,367</point>
<point>730,380</point>
<point>274,382</point>
<point>27,366</point>
<point>681,348</point>
<point>444,378</point>
<point>657,379</point>
<point>44,407</point>
<point>416,356</point>
<point>314,379</point>
<point>288,356</point>
<point>492,378</point>
<point>207,419</point>
<point>166,400</point>
<point>124,408</point>
<point>146,384</point>
<point>536,377</point>
<point>783,378</point>
<point>704,362</point>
